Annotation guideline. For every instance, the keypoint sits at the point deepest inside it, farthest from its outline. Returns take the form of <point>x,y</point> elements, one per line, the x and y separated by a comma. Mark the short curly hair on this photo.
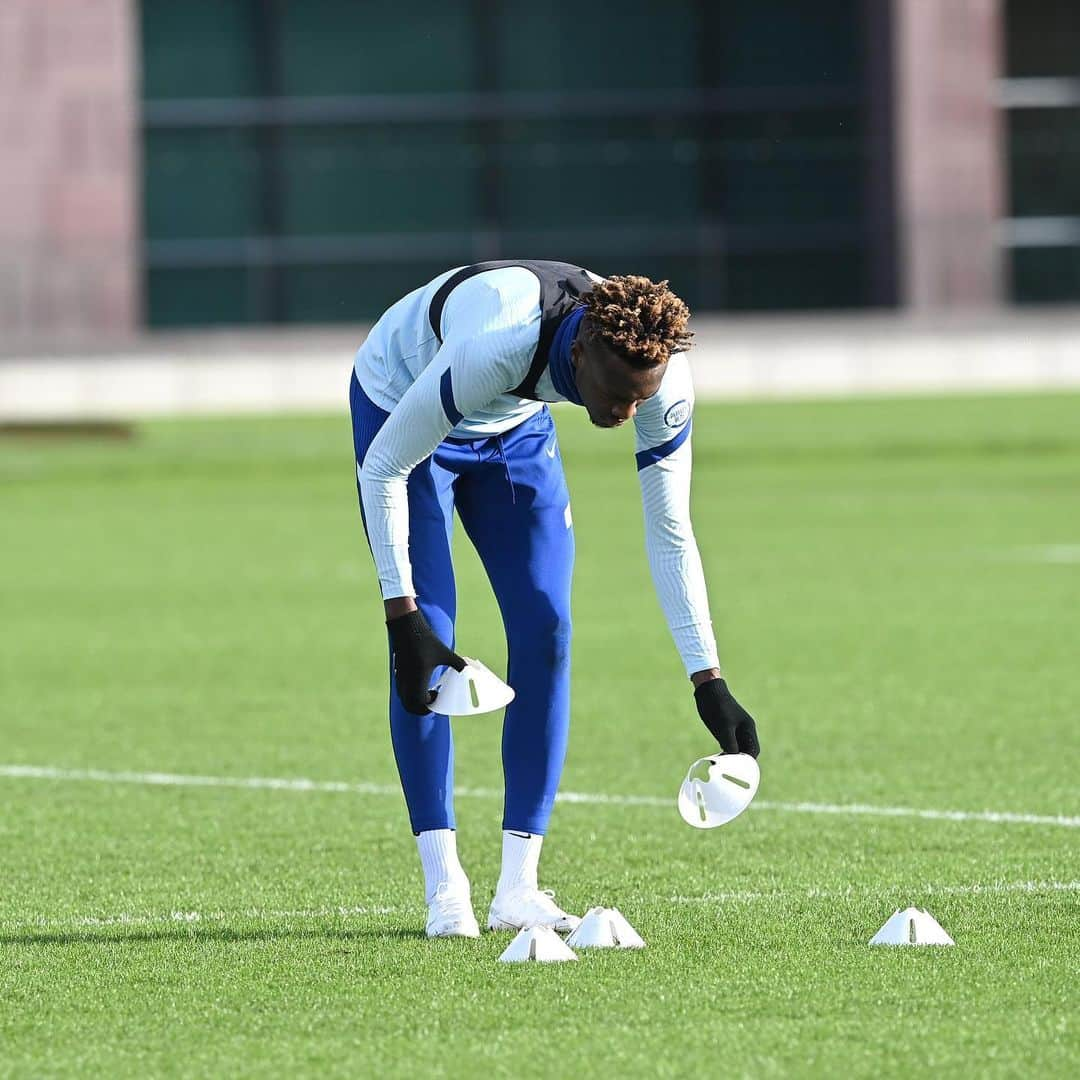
<point>641,320</point>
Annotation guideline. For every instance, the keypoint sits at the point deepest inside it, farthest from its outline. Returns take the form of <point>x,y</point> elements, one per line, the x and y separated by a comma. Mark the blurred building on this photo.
<point>298,161</point>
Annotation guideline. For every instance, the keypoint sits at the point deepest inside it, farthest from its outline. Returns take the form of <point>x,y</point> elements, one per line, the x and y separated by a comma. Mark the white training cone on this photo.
<point>912,927</point>
<point>472,690</point>
<point>537,943</point>
<point>717,789</point>
<point>605,928</point>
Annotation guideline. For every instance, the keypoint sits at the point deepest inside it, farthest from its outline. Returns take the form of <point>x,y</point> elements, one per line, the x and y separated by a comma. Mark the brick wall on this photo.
<point>950,177</point>
<point>68,170</point>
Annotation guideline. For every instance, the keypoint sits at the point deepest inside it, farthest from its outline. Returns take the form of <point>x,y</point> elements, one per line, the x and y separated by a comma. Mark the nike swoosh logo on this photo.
<point>550,450</point>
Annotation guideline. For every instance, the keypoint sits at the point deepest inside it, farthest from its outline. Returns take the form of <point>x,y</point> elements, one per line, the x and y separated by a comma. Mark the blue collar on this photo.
<point>562,370</point>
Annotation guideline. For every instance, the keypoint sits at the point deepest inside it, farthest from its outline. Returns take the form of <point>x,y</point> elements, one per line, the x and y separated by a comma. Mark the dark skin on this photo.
<point>611,390</point>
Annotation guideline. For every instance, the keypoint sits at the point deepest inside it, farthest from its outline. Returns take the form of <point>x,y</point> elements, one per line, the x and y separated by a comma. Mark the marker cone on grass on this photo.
<point>539,943</point>
<point>605,928</point>
<point>912,927</point>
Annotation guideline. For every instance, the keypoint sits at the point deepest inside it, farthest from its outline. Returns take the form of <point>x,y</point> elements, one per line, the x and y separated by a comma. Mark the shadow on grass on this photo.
<point>119,935</point>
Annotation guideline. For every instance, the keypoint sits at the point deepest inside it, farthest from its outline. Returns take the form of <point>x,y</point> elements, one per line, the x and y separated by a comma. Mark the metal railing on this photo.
<point>476,245</point>
<point>436,108</point>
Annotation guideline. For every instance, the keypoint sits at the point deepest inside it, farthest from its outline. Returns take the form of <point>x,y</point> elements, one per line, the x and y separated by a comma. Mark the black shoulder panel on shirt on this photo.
<point>561,287</point>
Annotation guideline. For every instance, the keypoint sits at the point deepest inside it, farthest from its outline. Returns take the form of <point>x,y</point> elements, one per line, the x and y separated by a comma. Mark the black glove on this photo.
<point>729,723</point>
<point>417,653</point>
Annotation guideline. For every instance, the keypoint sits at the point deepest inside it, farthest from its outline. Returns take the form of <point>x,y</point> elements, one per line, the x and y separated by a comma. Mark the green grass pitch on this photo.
<point>896,589</point>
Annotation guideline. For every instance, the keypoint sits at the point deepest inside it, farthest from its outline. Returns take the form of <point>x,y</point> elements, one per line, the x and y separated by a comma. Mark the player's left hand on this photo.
<point>728,722</point>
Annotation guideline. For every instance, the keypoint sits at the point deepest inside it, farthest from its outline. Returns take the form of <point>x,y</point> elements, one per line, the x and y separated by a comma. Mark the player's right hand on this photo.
<point>417,653</point>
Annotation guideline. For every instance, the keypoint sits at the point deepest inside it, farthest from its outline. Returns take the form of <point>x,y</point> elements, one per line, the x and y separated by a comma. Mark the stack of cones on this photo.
<point>601,928</point>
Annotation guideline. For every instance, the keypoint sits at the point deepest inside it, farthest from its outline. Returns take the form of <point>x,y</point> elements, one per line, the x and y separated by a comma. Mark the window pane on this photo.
<point>682,271</point>
<point>597,173</point>
<point>637,44</point>
<point>360,179</point>
<point>344,293</point>
<point>1044,157</point>
<point>201,184</point>
<point>1046,275</point>
<point>376,46</point>
<point>1043,41</point>
<point>1043,38</point>
<point>782,43</point>
<point>785,168</point>
<point>218,296</point>
<point>796,279</point>
<point>198,48</point>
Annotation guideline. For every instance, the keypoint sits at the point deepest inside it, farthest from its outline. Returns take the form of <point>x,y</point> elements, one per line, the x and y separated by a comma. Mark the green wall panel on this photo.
<point>634,45</point>
<point>331,47</point>
<point>598,173</point>
<point>560,186</point>
<point>783,43</point>
<point>787,280</point>
<point>198,48</point>
<point>776,168</point>
<point>201,184</point>
<point>206,296</point>
<point>379,179</point>
<point>351,293</point>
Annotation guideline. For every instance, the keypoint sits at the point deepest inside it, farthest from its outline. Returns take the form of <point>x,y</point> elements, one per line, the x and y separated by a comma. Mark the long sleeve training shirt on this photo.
<point>464,387</point>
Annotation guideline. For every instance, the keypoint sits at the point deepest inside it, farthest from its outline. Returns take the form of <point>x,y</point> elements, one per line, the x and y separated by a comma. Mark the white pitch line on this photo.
<point>155,779</point>
<point>339,787</point>
<point>998,817</point>
<point>191,918</point>
<point>1063,554</point>
<point>989,888</point>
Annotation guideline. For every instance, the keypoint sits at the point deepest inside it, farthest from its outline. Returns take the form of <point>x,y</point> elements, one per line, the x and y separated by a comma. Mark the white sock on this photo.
<point>520,859</point>
<point>439,858</point>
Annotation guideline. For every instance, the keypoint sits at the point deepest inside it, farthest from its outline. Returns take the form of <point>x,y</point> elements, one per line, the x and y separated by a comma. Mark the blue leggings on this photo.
<point>511,496</point>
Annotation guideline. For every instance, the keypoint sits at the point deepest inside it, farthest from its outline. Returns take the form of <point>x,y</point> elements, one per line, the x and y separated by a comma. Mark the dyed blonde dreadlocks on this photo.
<point>642,321</point>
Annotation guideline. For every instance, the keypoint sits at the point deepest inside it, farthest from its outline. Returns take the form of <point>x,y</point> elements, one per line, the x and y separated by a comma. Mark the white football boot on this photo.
<point>450,912</point>
<point>524,906</point>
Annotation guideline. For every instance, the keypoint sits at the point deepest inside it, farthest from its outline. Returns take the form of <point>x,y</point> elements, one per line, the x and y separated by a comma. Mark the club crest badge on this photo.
<point>677,415</point>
